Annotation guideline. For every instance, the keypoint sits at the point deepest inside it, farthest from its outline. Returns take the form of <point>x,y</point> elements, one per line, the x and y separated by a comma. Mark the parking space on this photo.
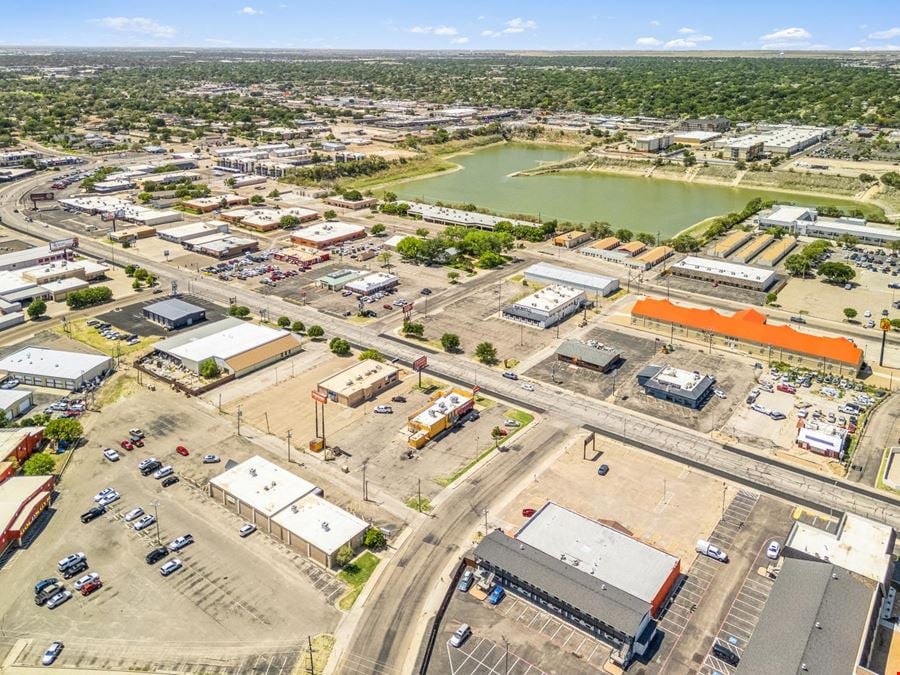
<point>485,657</point>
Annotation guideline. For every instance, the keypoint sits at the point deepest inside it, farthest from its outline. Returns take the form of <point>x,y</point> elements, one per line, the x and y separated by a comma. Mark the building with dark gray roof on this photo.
<point>602,359</point>
<point>819,618</point>
<point>679,386</point>
<point>174,313</point>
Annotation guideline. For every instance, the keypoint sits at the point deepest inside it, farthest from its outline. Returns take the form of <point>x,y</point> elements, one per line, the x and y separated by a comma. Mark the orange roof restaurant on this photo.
<point>746,331</point>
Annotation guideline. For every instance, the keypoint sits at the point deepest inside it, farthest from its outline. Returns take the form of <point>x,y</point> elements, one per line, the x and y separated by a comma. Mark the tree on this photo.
<point>343,556</point>
<point>274,194</point>
<point>239,311</point>
<point>257,199</point>
<point>315,331</point>
<point>848,240</point>
<point>136,284</point>
<point>453,276</point>
<point>646,238</point>
<point>389,196</point>
<point>385,258</point>
<point>39,464</point>
<point>836,272</point>
<point>63,429</point>
<point>623,235</point>
<point>375,539</point>
<point>298,327</point>
<point>422,232</point>
<point>37,308</point>
<point>797,265</point>
<point>330,214</point>
<point>339,346</point>
<point>895,324</point>
<point>88,297</point>
<point>496,434</point>
<point>867,178</point>
<point>850,313</point>
<point>486,353</point>
<point>414,329</point>
<point>283,322</point>
<point>771,298</point>
<point>685,243</point>
<point>489,260</point>
<point>370,355</point>
<point>130,270</point>
<point>288,221</point>
<point>209,369</point>
<point>450,342</point>
<point>377,229</point>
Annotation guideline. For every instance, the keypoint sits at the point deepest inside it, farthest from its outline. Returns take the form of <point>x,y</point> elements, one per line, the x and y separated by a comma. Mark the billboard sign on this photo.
<point>41,196</point>
<point>420,363</point>
<point>60,244</point>
<point>318,396</point>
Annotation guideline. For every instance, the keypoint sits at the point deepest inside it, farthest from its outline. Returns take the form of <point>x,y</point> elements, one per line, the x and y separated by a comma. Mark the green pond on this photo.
<point>639,204</point>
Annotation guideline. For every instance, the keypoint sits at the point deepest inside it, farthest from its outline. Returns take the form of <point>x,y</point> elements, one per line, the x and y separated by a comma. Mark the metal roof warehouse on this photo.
<point>55,368</point>
<point>585,281</point>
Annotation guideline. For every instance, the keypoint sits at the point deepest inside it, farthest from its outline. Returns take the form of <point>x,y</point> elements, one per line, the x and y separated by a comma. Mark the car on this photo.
<point>798,319</point>
<point>111,455</point>
<point>164,471</point>
<point>398,399</point>
<point>211,459</point>
<point>510,422</point>
<point>848,287</point>
<point>45,583</point>
<point>171,480</point>
<point>146,461</point>
<point>884,312</point>
<point>181,450</point>
<point>105,491</point>
<point>719,393</point>
<point>603,469</point>
<point>52,653</point>
<point>109,499</point>
<point>510,375</point>
<point>528,512</point>
<point>134,514</point>
<point>137,442</point>
<point>387,306</point>
<point>528,387</point>
<point>40,599</point>
<point>59,599</point>
<point>144,522</point>
<point>383,410</point>
<point>773,551</point>
<point>92,514</point>
<point>75,569</point>
<point>180,542</point>
<point>169,567</point>
<point>90,587</point>
<point>496,595</point>
<point>867,313</point>
<point>85,579</point>
<point>777,415</point>
<point>760,408</point>
<point>461,635</point>
<point>156,555</point>
<point>127,445</point>
<point>870,323</point>
<point>136,433</point>
<point>247,529</point>
<point>69,561</point>
<point>724,654</point>
<point>426,291</point>
<point>466,581</point>
<point>150,468</point>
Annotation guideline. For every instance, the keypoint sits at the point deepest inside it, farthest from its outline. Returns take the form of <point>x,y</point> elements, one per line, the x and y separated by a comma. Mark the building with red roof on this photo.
<point>749,332</point>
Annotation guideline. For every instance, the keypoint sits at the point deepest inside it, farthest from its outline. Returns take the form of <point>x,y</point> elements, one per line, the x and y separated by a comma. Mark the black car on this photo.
<point>425,291</point>
<point>156,555</point>
<point>724,654</point>
<point>92,514</point>
<point>398,399</point>
<point>150,468</point>
<point>75,569</point>
<point>171,480</point>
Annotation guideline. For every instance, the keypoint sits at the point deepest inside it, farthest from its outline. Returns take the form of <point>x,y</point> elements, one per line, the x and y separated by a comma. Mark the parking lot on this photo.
<point>130,318</point>
<point>218,598</point>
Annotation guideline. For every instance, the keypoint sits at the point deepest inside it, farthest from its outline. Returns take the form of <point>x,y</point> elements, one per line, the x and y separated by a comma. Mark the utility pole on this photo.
<point>312,668</point>
<point>156,515</point>
<point>266,413</point>
<point>240,414</point>
<point>365,496</point>
<point>419,499</point>
<point>506,657</point>
<point>724,490</point>
<point>289,444</point>
<point>485,521</point>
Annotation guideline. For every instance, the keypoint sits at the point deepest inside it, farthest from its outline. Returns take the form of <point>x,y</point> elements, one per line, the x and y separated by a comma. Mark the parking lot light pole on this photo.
<point>289,445</point>
<point>155,505</point>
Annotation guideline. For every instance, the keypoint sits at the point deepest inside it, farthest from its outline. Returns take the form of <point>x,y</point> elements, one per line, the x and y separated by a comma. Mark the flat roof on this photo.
<point>67,284</point>
<point>26,254</point>
<point>371,281</point>
<point>192,228</point>
<point>173,309</point>
<point>10,397</point>
<point>10,438</point>
<point>53,363</point>
<point>221,339</point>
<point>724,246</point>
<point>564,275</point>
<point>723,268</point>
<point>701,136</point>
<point>549,298</point>
<point>655,254</point>
<point>684,380</point>
<point>606,244</point>
<point>341,275</point>
<point>755,245</point>
<point>263,485</point>
<point>599,551</point>
<point>463,217</point>
<point>441,407</point>
<point>13,494</point>
<point>357,376</point>
<point>321,523</point>
<point>778,248</point>
<point>821,439</point>
<point>327,231</point>
<point>596,356</point>
<point>786,213</point>
<point>859,545</point>
<point>857,229</point>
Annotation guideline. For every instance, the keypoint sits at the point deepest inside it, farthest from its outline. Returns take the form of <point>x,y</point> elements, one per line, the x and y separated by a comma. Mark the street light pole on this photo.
<point>156,516</point>
<point>289,445</point>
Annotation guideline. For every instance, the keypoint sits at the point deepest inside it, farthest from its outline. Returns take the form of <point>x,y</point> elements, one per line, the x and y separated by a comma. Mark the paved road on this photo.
<point>882,430</point>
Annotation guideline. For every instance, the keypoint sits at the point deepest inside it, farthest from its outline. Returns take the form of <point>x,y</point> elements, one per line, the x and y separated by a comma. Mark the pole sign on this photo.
<point>41,196</point>
<point>476,389</point>
<point>420,363</point>
<point>319,396</point>
<point>60,244</point>
<point>886,324</point>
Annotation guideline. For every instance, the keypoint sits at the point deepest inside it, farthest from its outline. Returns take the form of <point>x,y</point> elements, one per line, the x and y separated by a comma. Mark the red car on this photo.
<point>126,445</point>
<point>786,388</point>
<point>181,450</point>
<point>528,512</point>
<point>91,586</point>
<point>388,306</point>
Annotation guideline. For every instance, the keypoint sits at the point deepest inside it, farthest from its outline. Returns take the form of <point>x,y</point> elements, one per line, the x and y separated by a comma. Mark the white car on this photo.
<point>384,409</point>
<point>180,542</point>
<point>105,491</point>
<point>167,470</point>
<point>773,551</point>
<point>109,498</point>
<point>528,387</point>
<point>134,514</point>
<point>171,566</point>
<point>58,599</point>
<point>86,579</point>
<point>136,432</point>
<point>111,455</point>
<point>719,393</point>
<point>52,653</point>
<point>867,314</point>
<point>760,408</point>
<point>146,521</point>
<point>510,422</point>
<point>211,459</point>
<point>247,530</point>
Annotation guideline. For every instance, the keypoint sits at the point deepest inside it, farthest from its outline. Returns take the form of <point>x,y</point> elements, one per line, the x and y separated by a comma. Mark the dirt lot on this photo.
<point>734,378</point>
<point>278,399</point>
<point>218,598</point>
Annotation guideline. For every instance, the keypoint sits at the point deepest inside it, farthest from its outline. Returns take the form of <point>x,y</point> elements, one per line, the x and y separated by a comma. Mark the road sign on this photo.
<point>319,396</point>
<point>41,196</point>
<point>420,363</point>
<point>886,324</point>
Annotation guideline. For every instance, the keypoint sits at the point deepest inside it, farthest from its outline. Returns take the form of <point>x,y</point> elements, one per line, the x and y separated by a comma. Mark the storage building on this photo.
<point>778,250</point>
<point>15,402</point>
<point>572,239</point>
<point>547,307</point>
<point>329,233</point>
<point>447,216</point>
<point>591,284</point>
<point>360,382</point>
<point>173,313</point>
<point>55,368</point>
<point>753,248</point>
<point>726,273</point>
<point>729,244</point>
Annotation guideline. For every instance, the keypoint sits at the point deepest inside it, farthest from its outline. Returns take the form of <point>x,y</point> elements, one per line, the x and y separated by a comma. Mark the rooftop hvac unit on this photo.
<point>326,526</point>
<point>252,471</point>
<point>294,508</point>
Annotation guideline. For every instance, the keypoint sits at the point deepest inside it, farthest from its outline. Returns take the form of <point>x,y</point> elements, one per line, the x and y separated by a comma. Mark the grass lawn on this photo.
<point>355,575</point>
<point>122,385</point>
<point>321,648</point>
<point>79,330</point>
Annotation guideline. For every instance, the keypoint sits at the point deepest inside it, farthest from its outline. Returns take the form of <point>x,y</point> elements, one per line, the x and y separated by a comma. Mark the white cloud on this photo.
<point>787,35</point>
<point>700,38</point>
<point>680,43</point>
<point>461,40</point>
<point>655,22</point>
<point>217,41</point>
<point>512,27</point>
<point>481,17</point>
<point>250,11</point>
<point>420,29</point>
<point>647,42</point>
<point>136,24</point>
<point>446,31</point>
<point>885,34</point>
<point>878,48</point>
<point>687,31</point>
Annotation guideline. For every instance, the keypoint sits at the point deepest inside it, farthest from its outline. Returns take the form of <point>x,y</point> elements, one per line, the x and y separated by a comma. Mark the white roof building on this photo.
<point>585,281</point>
<point>372,283</point>
<point>264,486</point>
<point>448,216</point>
<point>55,368</point>
<point>722,270</point>
<point>322,524</point>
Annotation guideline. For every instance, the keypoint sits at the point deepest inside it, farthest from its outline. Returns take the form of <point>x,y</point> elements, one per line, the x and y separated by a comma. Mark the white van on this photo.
<point>163,472</point>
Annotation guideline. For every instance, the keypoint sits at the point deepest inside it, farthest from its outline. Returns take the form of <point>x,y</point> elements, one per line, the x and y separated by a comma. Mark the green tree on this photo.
<point>63,429</point>
<point>797,265</point>
<point>771,298</point>
<point>895,324</point>
<point>496,434</point>
<point>486,353</point>
<point>453,276</point>
<point>343,556</point>
<point>385,258</point>
<point>490,260</point>
<point>339,346</point>
<point>274,194</point>
<point>850,313</point>
<point>422,232</point>
<point>283,322</point>
<point>413,328</point>
<point>375,539</point>
<point>836,272</point>
<point>257,199</point>
<point>209,369</point>
<point>867,178</point>
<point>88,297</point>
<point>390,196</point>
<point>130,270</point>
<point>298,327</point>
<point>450,342</point>
<point>624,235</point>
<point>330,214</point>
<point>646,238</point>
<point>370,355</point>
<point>39,464</point>
<point>240,311</point>
<point>377,229</point>
<point>37,308</point>
<point>288,221</point>
<point>315,331</point>
<point>685,243</point>
<point>848,240</point>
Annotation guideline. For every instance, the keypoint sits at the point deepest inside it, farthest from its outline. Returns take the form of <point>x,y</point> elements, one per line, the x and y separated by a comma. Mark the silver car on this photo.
<point>146,521</point>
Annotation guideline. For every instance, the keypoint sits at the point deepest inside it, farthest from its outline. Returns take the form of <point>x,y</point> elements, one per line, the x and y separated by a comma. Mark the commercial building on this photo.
<point>683,387</point>
<point>621,253</point>
<point>22,499</point>
<point>289,508</point>
<point>787,217</point>
<point>353,204</point>
<point>777,251</point>
<point>38,255</point>
<point>372,283</point>
<point>654,143</point>
<point>753,248</point>
<point>591,284</point>
<point>337,279</point>
<point>585,572</point>
<point>173,313</point>
<point>726,273</point>
<point>572,239</point>
<point>829,442</point>
<point>789,140</point>
<point>58,290</point>
<point>547,307</point>
<point>329,233</point>
<point>447,216</point>
<point>15,402</point>
<point>17,157</point>
<point>747,332</point>
<point>360,382</point>
<point>222,245</point>
<point>266,220</point>
<point>207,204</point>
<point>55,368</point>
<point>834,228</point>
<point>16,445</point>
<point>235,345</point>
<point>649,259</point>
<point>710,123</point>
<point>602,359</point>
<point>184,233</point>
<point>695,137</point>
<point>744,148</point>
<point>301,256</point>
<point>729,244</point>
<point>607,244</point>
<point>439,415</point>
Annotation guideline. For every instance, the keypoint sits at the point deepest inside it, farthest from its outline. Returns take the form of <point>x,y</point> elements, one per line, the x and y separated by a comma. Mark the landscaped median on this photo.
<point>355,574</point>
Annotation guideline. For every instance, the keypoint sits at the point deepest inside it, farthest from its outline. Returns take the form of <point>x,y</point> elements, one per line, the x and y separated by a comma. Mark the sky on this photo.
<point>459,25</point>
